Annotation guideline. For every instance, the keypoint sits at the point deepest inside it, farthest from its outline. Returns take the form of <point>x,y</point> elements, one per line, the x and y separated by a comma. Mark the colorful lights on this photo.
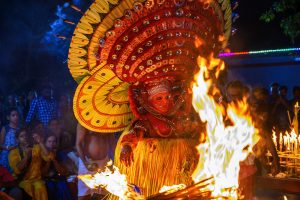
<point>227,54</point>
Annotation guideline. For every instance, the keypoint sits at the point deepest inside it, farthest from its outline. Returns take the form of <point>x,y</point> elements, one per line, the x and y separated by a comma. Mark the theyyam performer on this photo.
<point>135,62</point>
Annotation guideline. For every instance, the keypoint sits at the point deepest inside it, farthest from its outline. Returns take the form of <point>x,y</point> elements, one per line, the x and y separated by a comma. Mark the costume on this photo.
<point>31,181</point>
<point>134,62</point>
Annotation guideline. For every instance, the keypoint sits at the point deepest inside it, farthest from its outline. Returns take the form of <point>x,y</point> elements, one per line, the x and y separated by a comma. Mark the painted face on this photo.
<point>51,142</point>
<point>160,102</point>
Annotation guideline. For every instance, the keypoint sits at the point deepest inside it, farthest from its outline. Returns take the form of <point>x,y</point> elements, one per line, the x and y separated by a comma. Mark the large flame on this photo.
<point>113,181</point>
<point>225,147</point>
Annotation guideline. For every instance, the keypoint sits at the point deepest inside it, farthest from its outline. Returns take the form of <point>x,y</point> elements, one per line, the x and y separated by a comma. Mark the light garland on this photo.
<point>228,54</point>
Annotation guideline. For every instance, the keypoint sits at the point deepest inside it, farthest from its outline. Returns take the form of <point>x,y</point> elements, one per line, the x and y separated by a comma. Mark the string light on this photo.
<point>228,54</point>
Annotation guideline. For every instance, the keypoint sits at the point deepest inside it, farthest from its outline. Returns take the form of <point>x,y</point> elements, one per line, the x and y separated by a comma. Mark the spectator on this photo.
<point>281,115</point>
<point>8,140</point>
<point>10,101</point>
<point>64,139</point>
<point>26,163</point>
<point>55,173</point>
<point>43,108</point>
<point>20,105</point>
<point>9,185</point>
<point>30,96</point>
<point>236,90</point>
<point>274,92</point>
<point>37,127</point>
<point>295,110</point>
<point>296,95</point>
<point>66,115</point>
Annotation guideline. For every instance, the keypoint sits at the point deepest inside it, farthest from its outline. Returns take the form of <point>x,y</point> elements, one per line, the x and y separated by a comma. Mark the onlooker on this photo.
<point>64,139</point>
<point>64,144</point>
<point>8,140</point>
<point>281,115</point>
<point>236,90</point>
<point>65,114</point>
<point>26,163</point>
<point>274,92</point>
<point>20,105</point>
<point>296,95</point>
<point>9,185</point>
<point>30,96</point>
<point>295,104</point>
<point>10,101</point>
<point>54,173</point>
<point>43,108</point>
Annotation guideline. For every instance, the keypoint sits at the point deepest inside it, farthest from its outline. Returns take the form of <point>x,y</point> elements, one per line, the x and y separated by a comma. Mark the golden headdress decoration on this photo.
<point>133,41</point>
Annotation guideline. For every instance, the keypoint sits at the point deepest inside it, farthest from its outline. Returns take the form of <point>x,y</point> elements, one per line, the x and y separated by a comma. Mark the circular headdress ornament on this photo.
<point>142,40</point>
<point>101,102</point>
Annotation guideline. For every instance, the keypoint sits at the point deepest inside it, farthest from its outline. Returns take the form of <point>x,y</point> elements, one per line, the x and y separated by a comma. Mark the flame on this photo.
<point>113,181</point>
<point>225,147</point>
<point>289,141</point>
<point>171,189</point>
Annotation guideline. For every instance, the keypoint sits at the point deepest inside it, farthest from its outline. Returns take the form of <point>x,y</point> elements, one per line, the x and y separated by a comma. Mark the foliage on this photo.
<point>288,14</point>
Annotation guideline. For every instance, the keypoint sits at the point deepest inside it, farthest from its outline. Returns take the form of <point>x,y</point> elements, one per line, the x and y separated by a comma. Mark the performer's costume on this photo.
<point>125,52</point>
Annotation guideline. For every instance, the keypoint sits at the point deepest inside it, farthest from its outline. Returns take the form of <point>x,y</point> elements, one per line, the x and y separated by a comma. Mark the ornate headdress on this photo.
<point>128,42</point>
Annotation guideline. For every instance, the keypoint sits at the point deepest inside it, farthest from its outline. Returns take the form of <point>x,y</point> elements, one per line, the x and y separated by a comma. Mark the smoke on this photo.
<point>30,52</point>
<point>57,39</point>
<point>54,44</point>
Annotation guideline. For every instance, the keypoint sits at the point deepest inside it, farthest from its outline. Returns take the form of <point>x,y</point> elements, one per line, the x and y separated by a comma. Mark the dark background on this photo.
<point>31,54</point>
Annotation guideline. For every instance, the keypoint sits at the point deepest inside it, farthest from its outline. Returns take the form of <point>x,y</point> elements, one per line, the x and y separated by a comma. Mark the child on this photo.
<point>8,139</point>
<point>55,173</point>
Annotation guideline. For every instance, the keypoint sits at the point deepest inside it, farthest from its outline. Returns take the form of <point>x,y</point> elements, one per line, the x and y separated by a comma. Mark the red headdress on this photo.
<point>135,42</point>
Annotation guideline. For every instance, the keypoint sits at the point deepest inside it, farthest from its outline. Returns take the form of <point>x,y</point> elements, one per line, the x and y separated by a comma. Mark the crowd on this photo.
<point>272,107</point>
<point>36,146</point>
<point>39,134</point>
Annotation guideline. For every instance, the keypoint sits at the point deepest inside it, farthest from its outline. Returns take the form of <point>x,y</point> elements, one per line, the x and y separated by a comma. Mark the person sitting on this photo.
<point>54,172</point>
<point>9,186</point>
<point>26,164</point>
<point>63,138</point>
<point>8,139</point>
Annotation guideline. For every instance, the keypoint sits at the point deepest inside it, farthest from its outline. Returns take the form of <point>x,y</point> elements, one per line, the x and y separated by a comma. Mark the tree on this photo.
<point>287,12</point>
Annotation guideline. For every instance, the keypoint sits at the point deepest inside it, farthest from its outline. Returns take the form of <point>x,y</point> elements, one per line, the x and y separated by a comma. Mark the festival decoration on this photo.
<point>268,51</point>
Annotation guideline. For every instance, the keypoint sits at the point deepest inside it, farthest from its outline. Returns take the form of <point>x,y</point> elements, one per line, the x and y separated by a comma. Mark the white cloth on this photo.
<point>84,190</point>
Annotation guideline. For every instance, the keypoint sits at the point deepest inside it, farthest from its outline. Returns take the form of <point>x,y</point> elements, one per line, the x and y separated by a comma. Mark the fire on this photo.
<point>289,141</point>
<point>225,147</point>
<point>173,188</point>
<point>113,181</point>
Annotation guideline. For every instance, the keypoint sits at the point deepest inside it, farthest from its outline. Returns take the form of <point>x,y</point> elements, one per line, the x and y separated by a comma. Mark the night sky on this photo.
<point>31,54</point>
